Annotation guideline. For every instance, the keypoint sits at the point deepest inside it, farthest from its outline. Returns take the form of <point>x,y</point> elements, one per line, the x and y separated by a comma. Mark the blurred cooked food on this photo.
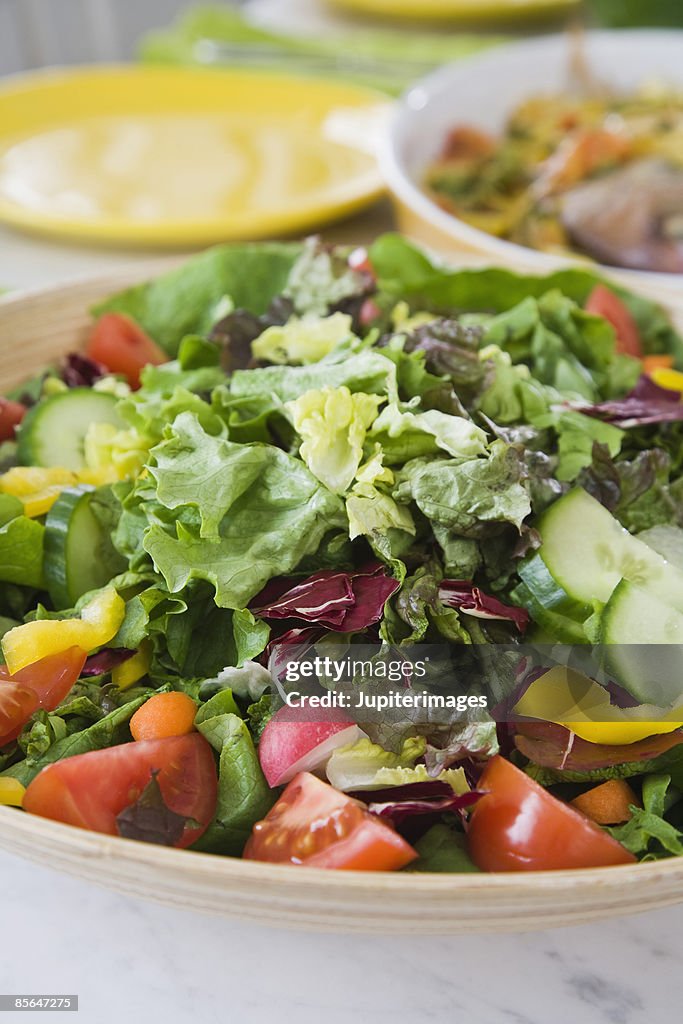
<point>601,176</point>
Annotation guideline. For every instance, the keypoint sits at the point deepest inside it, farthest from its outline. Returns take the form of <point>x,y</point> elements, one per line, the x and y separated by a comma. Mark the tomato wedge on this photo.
<point>123,347</point>
<point>90,790</point>
<point>11,415</point>
<point>518,826</point>
<point>603,302</point>
<point>315,825</point>
<point>45,684</point>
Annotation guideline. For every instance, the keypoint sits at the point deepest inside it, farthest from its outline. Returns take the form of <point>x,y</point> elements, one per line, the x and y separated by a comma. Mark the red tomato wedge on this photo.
<point>518,826</point>
<point>603,302</point>
<point>315,825</point>
<point>123,347</point>
<point>90,790</point>
<point>11,415</point>
<point>45,684</point>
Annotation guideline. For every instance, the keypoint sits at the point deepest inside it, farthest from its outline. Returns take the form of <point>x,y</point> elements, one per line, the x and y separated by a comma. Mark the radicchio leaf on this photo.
<point>646,404</point>
<point>411,801</point>
<point>79,371</point>
<point>552,746</point>
<point>468,598</point>
<point>105,660</point>
<point>345,602</point>
<point>150,820</point>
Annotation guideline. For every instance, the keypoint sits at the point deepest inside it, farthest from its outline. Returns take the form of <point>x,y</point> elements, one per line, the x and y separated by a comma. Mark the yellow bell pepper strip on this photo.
<point>38,488</point>
<point>11,793</point>
<point>133,669</point>
<point>99,623</point>
<point>583,706</point>
<point>672,380</point>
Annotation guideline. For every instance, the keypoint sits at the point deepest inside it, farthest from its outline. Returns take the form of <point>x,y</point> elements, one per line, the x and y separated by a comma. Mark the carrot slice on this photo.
<point>651,363</point>
<point>164,715</point>
<point>607,804</point>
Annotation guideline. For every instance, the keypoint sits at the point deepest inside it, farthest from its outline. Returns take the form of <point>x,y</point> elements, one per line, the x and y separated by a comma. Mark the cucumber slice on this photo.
<point>534,572</point>
<point>666,541</point>
<point>52,433</point>
<point>79,555</point>
<point>643,640</point>
<point>557,628</point>
<point>588,552</point>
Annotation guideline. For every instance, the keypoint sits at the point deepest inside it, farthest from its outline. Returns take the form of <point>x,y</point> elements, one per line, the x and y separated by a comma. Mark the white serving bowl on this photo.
<point>483,91</point>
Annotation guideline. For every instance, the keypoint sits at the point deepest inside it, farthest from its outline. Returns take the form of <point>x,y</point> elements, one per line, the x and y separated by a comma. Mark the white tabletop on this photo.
<point>129,960</point>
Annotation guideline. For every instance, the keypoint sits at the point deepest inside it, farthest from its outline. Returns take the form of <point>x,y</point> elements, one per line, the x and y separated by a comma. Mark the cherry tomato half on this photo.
<point>90,790</point>
<point>123,347</point>
<point>44,684</point>
<point>603,302</point>
<point>518,826</point>
<point>314,824</point>
<point>11,415</point>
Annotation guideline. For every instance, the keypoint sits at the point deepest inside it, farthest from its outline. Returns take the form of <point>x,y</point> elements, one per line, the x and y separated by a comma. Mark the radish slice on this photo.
<point>290,746</point>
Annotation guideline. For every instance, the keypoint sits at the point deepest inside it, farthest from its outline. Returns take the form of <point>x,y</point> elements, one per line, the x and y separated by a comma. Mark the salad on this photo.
<point>293,444</point>
<point>596,174</point>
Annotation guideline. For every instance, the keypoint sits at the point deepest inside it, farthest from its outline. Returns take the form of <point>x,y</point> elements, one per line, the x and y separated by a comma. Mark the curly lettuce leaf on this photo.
<point>332,424</point>
<point>363,765</point>
<point>302,340</point>
<point>648,834</point>
<point>366,371</point>
<point>241,514</point>
<point>468,496</point>
<point>406,434</point>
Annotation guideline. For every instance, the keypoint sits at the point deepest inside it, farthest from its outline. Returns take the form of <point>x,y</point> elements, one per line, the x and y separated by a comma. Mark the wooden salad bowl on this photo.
<point>36,328</point>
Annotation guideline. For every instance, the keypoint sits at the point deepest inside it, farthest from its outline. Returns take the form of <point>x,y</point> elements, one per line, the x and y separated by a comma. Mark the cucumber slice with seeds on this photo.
<point>53,432</point>
<point>643,640</point>
<point>588,553</point>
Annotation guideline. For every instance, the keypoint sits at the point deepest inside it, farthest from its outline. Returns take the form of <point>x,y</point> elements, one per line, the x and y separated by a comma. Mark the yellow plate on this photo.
<point>176,157</point>
<point>466,10</point>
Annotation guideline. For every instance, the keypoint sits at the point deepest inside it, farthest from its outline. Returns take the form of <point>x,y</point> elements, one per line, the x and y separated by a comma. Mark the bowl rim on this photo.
<point>402,184</point>
<point>214,867</point>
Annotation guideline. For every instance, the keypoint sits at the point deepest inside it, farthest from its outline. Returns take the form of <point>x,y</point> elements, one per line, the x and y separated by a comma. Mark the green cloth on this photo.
<point>385,59</point>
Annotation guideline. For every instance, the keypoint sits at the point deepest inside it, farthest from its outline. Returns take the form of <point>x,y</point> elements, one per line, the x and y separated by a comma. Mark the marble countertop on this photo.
<point>135,961</point>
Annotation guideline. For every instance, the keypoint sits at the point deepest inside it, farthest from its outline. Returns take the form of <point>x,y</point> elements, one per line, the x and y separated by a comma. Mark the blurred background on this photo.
<point>386,45</point>
<point>39,32</point>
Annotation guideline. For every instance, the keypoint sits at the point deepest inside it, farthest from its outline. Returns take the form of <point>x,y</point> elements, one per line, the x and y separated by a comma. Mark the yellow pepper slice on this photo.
<point>672,380</point>
<point>132,670</point>
<point>11,793</point>
<point>582,706</point>
<point>99,623</point>
<point>36,488</point>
